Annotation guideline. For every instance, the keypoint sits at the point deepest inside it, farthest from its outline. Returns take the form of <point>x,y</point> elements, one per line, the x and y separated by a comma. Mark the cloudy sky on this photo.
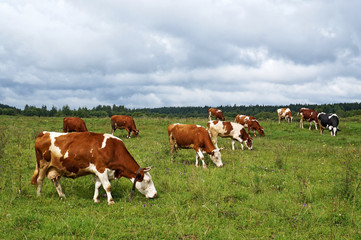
<point>159,53</point>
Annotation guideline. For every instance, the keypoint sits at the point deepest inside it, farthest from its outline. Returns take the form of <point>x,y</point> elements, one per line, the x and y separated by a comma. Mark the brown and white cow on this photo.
<point>216,113</point>
<point>196,137</point>
<point>310,116</point>
<point>251,123</point>
<point>229,130</point>
<point>77,154</point>
<point>124,122</point>
<point>74,124</point>
<point>284,113</point>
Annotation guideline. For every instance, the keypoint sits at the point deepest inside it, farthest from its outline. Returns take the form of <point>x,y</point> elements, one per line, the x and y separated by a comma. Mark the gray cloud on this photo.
<point>183,53</point>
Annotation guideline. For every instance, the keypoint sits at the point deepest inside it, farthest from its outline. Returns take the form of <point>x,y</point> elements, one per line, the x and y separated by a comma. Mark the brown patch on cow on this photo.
<point>227,126</point>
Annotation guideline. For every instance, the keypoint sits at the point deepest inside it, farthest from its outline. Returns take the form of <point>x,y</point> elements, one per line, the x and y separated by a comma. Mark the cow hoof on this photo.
<point>204,167</point>
<point>111,202</point>
<point>96,201</point>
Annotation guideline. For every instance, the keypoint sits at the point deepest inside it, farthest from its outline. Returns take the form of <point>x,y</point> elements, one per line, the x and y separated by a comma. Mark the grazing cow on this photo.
<point>81,153</point>
<point>124,122</point>
<point>196,137</point>
<point>229,130</point>
<point>310,116</point>
<point>251,123</point>
<point>284,113</point>
<point>329,121</point>
<point>216,113</point>
<point>74,124</point>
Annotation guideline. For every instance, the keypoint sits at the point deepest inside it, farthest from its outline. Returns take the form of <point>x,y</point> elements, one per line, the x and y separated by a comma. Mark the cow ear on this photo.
<point>147,169</point>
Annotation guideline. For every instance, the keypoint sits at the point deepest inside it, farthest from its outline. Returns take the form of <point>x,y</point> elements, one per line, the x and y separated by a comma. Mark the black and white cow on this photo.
<point>329,121</point>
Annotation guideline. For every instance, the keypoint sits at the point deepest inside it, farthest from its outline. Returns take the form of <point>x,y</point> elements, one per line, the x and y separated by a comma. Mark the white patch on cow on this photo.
<point>106,137</point>
<point>66,154</point>
<point>55,151</point>
<point>219,111</point>
<point>198,125</point>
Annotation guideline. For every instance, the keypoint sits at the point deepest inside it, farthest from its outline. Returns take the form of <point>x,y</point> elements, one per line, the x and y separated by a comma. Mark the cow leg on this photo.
<point>240,141</point>
<point>233,142</point>
<point>42,172</point>
<point>279,119</point>
<point>128,130</point>
<point>172,144</point>
<point>96,191</point>
<point>103,177</point>
<point>199,154</point>
<point>301,122</point>
<point>310,126</point>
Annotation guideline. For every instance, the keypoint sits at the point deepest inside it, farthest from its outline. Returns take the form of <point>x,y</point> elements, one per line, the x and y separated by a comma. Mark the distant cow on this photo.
<point>74,124</point>
<point>216,113</point>
<point>81,153</point>
<point>124,122</point>
<point>310,116</point>
<point>329,121</point>
<point>251,123</point>
<point>196,137</point>
<point>284,113</point>
<point>231,130</point>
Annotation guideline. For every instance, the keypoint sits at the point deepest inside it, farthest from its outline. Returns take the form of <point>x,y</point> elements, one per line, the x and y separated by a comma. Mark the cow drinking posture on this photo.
<point>216,113</point>
<point>196,137</point>
<point>74,124</point>
<point>81,153</point>
<point>310,116</point>
<point>229,130</point>
<point>329,121</point>
<point>284,113</point>
<point>251,123</point>
<point>124,122</point>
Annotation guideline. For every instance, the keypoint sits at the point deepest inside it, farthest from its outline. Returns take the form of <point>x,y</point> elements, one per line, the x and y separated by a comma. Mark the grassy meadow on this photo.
<point>295,184</point>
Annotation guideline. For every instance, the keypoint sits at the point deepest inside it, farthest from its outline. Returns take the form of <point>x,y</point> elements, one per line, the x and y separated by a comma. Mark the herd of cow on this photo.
<point>77,152</point>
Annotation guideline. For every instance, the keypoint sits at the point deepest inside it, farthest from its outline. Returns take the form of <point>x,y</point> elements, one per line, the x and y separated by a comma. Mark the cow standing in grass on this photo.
<point>232,130</point>
<point>284,113</point>
<point>77,154</point>
<point>310,116</point>
<point>251,123</point>
<point>74,124</point>
<point>196,137</point>
<point>216,113</point>
<point>329,121</point>
<point>124,122</point>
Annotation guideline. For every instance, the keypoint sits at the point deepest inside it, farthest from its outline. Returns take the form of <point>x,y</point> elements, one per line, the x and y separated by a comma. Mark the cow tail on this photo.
<point>35,176</point>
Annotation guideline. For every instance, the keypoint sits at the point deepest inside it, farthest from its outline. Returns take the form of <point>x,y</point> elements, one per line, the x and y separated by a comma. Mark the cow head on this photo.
<point>249,143</point>
<point>261,131</point>
<point>135,132</point>
<point>216,157</point>
<point>145,185</point>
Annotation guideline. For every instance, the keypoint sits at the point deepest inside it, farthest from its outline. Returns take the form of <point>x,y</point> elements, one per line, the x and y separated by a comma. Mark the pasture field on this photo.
<point>295,184</point>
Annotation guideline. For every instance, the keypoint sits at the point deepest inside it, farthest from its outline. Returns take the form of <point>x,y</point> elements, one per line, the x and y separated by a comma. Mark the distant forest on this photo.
<point>258,111</point>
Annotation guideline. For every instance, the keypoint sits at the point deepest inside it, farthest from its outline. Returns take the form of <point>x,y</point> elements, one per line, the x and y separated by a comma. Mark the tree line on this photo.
<point>258,111</point>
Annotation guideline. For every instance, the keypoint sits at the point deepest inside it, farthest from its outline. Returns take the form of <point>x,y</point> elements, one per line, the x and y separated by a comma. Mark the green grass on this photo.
<point>295,184</point>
